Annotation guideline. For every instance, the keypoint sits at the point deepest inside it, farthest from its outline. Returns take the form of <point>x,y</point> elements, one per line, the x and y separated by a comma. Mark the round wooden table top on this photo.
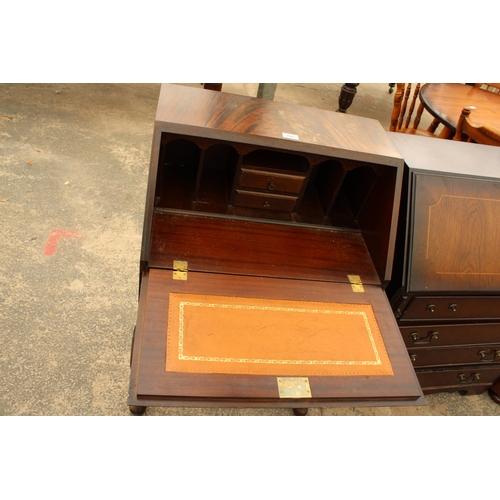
<point>445,102</point>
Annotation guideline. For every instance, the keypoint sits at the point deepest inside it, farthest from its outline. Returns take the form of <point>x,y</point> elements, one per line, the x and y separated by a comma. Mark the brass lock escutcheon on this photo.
<point>294,387</point>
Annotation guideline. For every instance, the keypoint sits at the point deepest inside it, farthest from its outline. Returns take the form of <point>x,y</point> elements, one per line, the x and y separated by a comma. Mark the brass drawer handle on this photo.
<point>484,354</point>
<point>265,204</point>
<point>464,380</point>
<point>431,308</point>
<point>270,185</point>
<point>452,307</point>
<point>418,340</point>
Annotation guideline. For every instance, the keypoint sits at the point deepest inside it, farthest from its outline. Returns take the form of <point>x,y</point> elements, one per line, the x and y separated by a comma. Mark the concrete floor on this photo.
<point>73,173</point>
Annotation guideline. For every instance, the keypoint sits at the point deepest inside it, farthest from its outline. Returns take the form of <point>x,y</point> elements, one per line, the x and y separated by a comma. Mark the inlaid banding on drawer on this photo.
<point>271,181</point>
<point>265,201</point>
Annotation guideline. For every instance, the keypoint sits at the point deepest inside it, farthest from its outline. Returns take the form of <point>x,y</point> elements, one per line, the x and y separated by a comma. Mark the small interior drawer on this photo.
<point>265,201</point>
<point>452,307</point>
<point>271,181</point>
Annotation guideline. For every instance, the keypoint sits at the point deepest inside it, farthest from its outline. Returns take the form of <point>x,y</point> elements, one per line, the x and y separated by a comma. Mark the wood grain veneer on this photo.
<point>268,200</point>
<point>259,249</point>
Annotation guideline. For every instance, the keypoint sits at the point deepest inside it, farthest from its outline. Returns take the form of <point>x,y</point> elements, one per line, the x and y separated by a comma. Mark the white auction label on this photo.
<point>290,136</point>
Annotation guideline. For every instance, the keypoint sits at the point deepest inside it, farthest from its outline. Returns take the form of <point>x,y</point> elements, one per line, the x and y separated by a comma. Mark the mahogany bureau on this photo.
<point>268,238</point>
<point>445,290</point>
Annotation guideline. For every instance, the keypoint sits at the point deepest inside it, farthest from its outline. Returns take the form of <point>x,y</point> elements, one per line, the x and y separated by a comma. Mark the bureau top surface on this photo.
<point>447,156</point>
<point>250,120</point>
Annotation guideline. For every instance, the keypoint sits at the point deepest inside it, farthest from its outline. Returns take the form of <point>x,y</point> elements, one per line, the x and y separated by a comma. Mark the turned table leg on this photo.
<point>346,97</point>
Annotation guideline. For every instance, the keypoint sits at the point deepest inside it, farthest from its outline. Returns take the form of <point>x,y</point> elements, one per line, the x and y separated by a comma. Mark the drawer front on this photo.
<point>442,335</point>
<point>449,308</point>
<point>440,356</point>
<point>271,181</point>
<point>459,378</point>
<point>265,201</point>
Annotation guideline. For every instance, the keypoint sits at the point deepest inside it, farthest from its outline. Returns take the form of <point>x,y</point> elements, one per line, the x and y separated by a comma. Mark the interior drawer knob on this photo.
<point>266,204</point>
<point>452,307</point>
<point>413,357</point>
<point>431,308</point>
<point>270,185</point>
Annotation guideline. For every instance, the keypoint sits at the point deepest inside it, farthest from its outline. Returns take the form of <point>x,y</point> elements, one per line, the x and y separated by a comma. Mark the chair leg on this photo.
<point>446,133</point>
<point>433,126</point>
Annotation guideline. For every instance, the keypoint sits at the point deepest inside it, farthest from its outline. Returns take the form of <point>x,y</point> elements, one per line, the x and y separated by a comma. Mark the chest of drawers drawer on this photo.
<point>440,356</point>
<point>448,335</point>
<point>452,308</point>
<point>271,181</point>
<point>265,201</point>
<point>459,378</point>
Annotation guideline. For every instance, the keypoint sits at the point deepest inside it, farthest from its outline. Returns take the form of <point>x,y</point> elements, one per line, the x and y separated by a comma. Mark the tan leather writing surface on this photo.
<point>234,335</point>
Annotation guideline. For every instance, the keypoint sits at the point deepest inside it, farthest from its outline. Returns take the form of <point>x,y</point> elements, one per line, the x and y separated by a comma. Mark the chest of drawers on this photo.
<point>446,282</point>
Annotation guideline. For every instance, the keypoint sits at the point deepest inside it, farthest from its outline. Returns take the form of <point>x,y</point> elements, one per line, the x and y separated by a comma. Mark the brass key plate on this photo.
<point>294,387</point>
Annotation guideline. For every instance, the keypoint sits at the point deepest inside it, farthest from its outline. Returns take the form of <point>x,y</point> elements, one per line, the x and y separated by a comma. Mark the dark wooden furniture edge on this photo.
<point>279,143</point>
<point>268,403</point>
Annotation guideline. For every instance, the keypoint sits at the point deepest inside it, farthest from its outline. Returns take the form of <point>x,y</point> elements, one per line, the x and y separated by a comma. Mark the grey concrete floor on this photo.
<point>73,170</point>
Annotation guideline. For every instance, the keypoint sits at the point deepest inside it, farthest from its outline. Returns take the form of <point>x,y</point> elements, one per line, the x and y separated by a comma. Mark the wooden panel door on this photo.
<point>456,235</point>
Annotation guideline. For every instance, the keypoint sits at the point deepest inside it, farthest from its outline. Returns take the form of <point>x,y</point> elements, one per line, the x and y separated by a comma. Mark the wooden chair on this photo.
<point>400,119</point>
<point>491,87</point>
<point>467,131</point>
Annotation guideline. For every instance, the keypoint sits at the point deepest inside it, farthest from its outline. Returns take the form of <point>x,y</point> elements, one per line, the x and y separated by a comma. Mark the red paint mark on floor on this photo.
<point>54,237</point>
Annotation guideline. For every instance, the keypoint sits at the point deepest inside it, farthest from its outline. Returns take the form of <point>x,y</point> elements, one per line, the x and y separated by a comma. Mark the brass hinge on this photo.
<point>356,284</point>
<point>180,268</point>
